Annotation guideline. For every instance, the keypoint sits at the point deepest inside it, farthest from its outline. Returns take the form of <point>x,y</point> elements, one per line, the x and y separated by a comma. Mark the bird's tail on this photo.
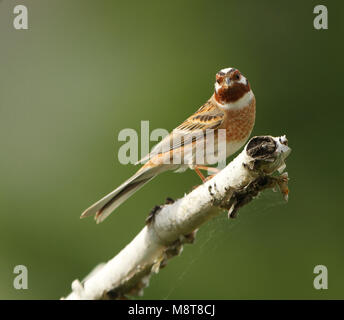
<point>110,202</point>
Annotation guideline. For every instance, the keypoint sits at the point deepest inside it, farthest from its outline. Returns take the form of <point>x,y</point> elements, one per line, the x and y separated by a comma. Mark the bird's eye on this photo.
<point>237,76</point>
<point>219,78</point>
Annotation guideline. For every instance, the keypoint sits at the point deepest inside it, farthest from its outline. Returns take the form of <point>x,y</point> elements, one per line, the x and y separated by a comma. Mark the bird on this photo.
<point>230,110</point>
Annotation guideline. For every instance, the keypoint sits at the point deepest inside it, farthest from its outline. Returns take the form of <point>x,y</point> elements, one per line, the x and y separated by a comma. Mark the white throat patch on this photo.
<point>241,103</point>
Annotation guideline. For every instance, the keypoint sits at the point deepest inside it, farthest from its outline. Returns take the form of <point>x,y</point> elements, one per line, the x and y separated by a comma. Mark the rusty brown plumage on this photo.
<point>231,107</point>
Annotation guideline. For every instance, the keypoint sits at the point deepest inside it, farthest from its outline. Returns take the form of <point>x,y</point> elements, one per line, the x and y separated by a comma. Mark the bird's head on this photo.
<point>230,86</point>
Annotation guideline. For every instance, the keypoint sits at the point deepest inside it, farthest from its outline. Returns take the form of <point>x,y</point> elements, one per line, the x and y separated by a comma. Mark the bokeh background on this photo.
<point>87,69</point>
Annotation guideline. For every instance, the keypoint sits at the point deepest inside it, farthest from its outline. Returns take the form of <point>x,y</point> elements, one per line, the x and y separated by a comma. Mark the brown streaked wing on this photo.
<point>209,116</point>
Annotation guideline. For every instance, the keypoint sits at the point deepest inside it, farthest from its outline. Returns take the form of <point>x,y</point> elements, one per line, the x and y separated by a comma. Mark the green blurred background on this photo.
<point>87,69</point>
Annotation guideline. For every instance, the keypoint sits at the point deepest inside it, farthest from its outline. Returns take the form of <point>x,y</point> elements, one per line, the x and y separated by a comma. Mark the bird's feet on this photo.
<point>209,169</point>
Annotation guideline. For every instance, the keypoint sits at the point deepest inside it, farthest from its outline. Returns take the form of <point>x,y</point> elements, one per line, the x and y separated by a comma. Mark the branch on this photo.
<point>171,225</point>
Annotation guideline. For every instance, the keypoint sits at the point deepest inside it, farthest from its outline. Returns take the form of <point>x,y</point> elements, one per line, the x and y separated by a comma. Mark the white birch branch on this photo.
<point>175,223</point>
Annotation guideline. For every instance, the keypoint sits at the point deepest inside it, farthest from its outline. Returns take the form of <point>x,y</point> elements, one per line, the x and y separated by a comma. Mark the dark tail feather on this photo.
<point>110,202</point>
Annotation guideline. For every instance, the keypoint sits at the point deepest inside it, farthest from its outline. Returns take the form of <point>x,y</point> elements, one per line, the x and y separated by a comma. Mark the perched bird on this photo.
<point>231,108</point>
